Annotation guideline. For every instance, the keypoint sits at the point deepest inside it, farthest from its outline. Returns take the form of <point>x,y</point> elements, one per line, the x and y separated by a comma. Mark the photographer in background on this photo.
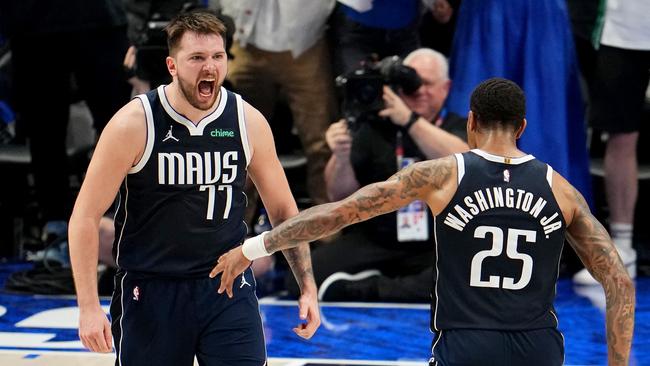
<point>392,255</point>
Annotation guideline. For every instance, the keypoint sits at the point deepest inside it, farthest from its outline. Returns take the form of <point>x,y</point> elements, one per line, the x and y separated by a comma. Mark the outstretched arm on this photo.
<point>593,245</point>
<point>428,181</point>
<point>417,181</point>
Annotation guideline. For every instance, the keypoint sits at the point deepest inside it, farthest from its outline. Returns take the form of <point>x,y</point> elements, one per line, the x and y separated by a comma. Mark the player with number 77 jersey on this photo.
<point>179,157</point>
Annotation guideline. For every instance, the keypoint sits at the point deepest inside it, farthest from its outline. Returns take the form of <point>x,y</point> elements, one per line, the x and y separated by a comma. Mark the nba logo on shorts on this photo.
<point>136,293</point>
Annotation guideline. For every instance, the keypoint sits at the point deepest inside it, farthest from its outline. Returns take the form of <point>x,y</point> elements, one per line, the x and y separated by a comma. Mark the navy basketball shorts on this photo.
<point>162,321</point>
<point>469,347</point>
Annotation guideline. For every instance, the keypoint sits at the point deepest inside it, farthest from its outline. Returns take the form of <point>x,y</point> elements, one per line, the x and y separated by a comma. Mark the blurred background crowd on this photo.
<point>319,71</point>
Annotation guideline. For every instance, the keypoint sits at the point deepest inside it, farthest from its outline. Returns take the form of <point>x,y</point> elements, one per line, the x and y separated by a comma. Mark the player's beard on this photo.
<point>191,93</point>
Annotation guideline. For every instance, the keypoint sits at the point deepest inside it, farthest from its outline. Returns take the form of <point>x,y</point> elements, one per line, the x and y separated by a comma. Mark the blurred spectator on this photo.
<point>280,48</point>
<point>584,15</point>
<point>381,27</point>
<point>53,42</point>
<point>529,42</point>
<point>438,25</point>
<point>618,97</point>
<point>399,246</point>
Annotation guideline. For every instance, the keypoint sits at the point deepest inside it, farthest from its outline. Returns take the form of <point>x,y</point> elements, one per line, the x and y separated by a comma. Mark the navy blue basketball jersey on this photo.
<point>498,245</point>
<point>182,205</point>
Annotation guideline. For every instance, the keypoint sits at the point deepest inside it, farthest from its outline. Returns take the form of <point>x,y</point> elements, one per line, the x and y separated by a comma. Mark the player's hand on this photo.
<point>395,108</point>
<point>339,140</point>
<point>230,265</point>
<point>95,330</point>
<point>139,86</point>
<point>308,311</point>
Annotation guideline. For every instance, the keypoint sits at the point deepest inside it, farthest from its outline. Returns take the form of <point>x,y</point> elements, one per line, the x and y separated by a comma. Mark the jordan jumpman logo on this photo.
<point>169,135</point>
<point>243,281</point>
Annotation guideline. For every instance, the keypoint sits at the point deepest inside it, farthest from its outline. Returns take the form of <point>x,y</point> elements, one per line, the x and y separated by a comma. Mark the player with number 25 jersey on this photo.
<point>503,233</point>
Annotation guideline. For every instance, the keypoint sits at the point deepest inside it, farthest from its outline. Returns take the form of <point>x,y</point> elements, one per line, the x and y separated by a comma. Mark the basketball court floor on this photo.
<point>41,330</point>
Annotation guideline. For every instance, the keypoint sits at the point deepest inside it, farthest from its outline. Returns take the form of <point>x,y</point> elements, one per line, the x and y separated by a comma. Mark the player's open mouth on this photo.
<point>206,87</point>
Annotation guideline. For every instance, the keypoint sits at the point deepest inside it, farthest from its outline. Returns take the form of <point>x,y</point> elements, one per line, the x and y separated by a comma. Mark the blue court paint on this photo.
<point>365,334</point>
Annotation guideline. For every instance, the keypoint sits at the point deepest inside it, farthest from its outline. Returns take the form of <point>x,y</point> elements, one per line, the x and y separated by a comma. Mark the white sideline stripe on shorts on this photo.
<point>119,355</point>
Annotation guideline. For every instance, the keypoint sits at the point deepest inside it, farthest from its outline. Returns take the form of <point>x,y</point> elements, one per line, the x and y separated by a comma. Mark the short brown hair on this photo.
<point>200,22</point>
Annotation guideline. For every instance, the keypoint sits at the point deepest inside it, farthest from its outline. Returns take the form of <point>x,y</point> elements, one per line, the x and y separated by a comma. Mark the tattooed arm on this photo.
<point>423,181</point>
<point>299,260</point>
<point>430,181</point>
<point>593,245</point>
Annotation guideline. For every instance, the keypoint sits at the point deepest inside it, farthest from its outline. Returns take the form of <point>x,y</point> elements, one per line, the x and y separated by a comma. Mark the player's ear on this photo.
<point>471,122</point>
<point>520,130</point>
<point>472,128</point>
<point>171,65</point>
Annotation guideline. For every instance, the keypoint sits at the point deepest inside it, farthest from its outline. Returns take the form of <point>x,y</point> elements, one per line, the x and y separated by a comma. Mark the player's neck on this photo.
<point>181,105</point>
<point>499,144</point>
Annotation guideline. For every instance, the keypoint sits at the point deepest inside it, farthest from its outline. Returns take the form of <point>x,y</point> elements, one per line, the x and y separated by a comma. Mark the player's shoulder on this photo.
<point>568,197</point>
<point>128,121</point>
<point>251,113</point>
<point>562,186</point>
<point>438,171</point>
<point>255,122</point>
<point>131,113</point>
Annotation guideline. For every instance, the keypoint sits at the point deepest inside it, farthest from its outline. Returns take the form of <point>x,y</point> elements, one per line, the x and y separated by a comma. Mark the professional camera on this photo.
<point>152,51</point>
<point>363,88</point>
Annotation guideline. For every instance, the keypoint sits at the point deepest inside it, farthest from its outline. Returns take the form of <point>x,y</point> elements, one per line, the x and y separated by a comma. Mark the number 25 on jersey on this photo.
<point>513,235</point>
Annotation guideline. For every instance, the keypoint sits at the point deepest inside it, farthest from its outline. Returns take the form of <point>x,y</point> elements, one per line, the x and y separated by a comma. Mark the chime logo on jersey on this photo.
<point>221,132</point>
<point>209,167</point>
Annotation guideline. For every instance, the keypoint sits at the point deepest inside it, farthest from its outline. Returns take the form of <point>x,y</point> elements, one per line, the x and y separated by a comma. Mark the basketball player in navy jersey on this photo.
<point>501,217</point>
<point>179,156</point>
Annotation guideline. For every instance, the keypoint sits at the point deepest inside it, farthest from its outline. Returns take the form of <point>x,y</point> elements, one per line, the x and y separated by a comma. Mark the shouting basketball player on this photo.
<point>179,156</point>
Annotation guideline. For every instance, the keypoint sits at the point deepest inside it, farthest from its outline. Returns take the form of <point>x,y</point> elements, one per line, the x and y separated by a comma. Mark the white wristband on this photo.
<point>254,248</point>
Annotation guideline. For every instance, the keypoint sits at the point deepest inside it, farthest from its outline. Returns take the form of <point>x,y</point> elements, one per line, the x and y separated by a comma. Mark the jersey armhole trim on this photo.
<point>241,118</point>
<point>150,136</point>
<point>549,175</point>
<point>461,166</point>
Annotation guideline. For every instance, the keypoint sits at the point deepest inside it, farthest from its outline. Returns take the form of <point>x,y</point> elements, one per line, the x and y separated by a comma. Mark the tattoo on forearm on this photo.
<point>593,245</point>
<point>403,187</point>
<point>299,260</point>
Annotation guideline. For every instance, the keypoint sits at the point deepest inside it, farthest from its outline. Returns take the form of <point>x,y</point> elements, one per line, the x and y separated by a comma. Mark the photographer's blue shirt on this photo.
<point>386,14</point>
